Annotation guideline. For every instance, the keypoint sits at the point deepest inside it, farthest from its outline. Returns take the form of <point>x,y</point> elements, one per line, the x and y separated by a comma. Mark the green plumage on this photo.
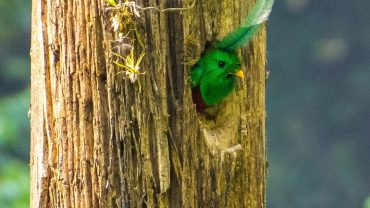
<point>214,75</point>
<point>216,81</point>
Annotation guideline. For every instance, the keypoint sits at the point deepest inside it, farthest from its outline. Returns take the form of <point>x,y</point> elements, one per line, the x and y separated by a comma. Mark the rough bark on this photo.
<point>98,140</point>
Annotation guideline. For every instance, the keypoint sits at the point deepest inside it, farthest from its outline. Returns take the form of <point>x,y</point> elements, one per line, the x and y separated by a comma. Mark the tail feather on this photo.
<point>259,14</point>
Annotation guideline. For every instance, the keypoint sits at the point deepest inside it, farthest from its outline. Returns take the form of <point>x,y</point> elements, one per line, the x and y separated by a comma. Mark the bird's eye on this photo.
<point>221,64</point>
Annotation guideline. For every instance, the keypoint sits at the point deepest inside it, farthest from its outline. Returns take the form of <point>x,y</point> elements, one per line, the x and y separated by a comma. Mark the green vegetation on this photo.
<point>318,104</point>
<point>14,103</point>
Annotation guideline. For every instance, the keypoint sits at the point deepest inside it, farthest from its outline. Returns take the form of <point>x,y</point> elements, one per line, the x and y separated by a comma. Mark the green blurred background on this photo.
<point>14,103</point>
<point>318,102</point>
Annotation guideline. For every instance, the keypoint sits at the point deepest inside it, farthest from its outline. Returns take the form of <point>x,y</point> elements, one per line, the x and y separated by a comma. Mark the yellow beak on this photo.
<point>239,73</point>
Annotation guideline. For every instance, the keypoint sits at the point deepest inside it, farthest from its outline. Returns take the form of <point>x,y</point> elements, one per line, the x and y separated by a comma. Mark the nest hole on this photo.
<point>220,125</point>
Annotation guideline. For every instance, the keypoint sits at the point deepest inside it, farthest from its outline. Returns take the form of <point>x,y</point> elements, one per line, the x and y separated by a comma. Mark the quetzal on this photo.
<point>214,74</point>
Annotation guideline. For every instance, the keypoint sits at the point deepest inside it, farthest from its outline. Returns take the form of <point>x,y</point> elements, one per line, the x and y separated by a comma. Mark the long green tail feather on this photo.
<point>242,35</point>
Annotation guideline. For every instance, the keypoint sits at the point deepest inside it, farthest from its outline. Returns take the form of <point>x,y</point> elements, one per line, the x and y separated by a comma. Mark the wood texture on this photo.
<point>97,140</point>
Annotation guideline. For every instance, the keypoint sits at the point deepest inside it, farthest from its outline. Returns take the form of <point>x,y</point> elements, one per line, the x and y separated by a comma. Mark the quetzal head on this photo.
<point>214,75</point>
<point>224,63</point>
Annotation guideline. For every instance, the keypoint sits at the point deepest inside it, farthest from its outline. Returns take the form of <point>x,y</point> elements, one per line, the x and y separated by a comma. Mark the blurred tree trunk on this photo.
<point>98,140</point>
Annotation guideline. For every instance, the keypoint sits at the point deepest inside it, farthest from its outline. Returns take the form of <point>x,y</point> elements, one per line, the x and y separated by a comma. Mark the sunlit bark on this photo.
<point>98,140</point>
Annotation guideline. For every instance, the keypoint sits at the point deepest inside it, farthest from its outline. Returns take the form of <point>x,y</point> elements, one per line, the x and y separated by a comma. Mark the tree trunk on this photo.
<point>98,140</point>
